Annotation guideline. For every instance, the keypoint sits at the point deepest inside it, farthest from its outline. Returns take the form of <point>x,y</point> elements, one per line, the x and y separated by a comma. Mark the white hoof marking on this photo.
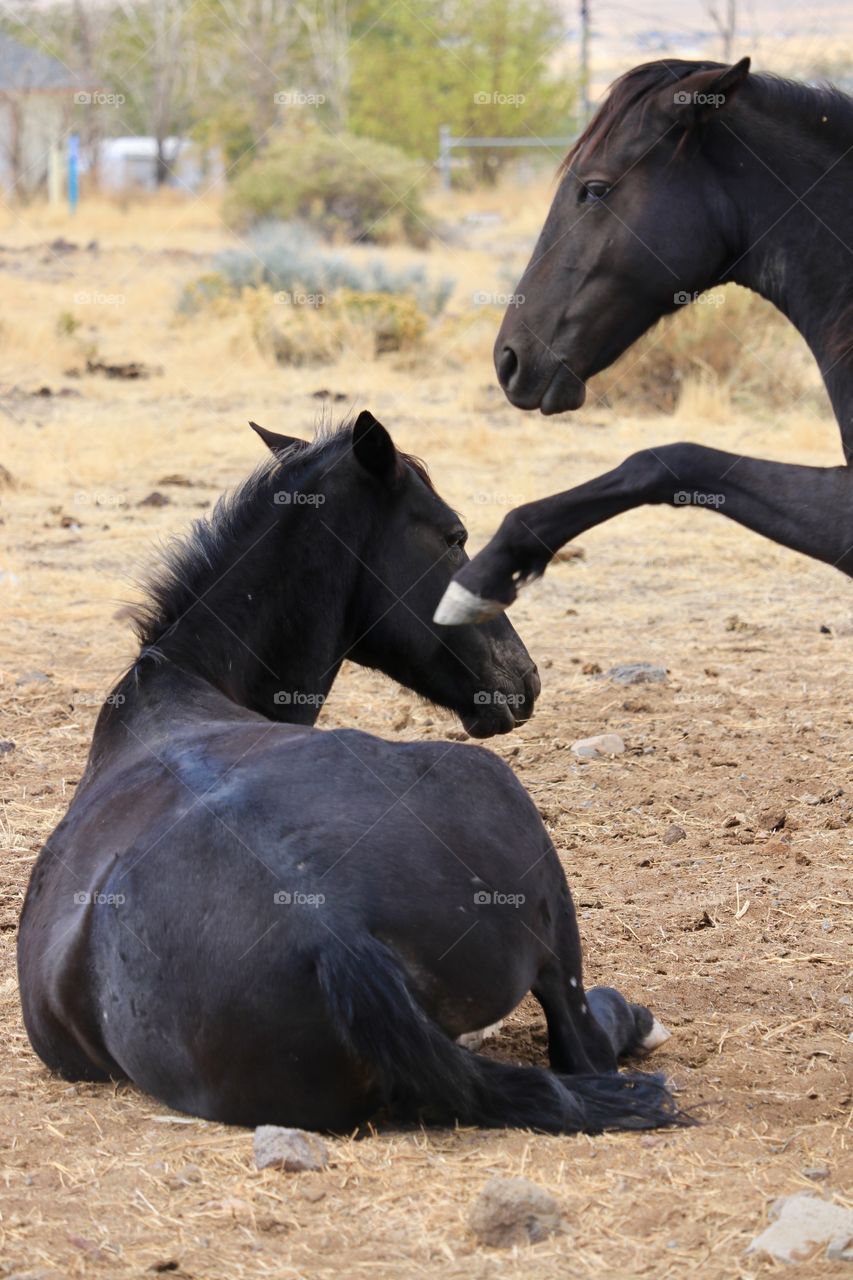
<point>474,1039</point>
<point>459,606</point>
<point>656,1037</point>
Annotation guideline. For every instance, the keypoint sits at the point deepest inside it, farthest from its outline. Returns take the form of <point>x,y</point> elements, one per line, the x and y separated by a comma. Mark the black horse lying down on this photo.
<point>258,921</point>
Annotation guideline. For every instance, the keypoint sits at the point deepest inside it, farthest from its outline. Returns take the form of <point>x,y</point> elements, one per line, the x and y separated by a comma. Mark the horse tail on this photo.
<point>423,1073</point>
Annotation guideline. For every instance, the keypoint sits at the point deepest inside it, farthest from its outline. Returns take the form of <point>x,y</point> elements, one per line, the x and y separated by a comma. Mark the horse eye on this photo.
<point>592,191</point>
<point>458,538</point>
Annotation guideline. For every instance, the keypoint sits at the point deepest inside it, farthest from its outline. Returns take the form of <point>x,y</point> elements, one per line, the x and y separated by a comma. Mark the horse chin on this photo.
<point>489,721</point>
<point>564,392</point>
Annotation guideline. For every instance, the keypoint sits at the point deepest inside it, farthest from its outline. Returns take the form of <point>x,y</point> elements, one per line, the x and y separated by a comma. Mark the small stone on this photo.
<point>801,1224</point>
<point>732,821</point>
<point>6,745</point>
<point>513,1211</point>
<point>637,673</point>
<point>591,669</point>
<point>673,834</point>
<point>772,818</point>
<point>816,1174</point>
<point>155,499</point>
<point>602,744</point>
<point>290,1149</point>
<point>32,677</point>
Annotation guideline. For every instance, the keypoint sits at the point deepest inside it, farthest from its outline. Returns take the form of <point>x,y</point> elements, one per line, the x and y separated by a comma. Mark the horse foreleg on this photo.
<point>809,509</point>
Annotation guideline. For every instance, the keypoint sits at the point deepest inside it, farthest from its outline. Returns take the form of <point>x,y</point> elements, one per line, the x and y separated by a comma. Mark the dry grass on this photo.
<point>740,940</point>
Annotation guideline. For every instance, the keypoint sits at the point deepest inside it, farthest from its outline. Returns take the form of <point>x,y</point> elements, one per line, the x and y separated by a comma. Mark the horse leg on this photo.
<point>631,1028</point>
<point>809,509</point>
<point>577,1042</point>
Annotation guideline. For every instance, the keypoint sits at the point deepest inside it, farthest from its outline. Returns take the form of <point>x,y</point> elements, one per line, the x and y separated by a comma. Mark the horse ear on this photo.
<point>276,442</point>
<point>373,446</point>
<point>699,97</point>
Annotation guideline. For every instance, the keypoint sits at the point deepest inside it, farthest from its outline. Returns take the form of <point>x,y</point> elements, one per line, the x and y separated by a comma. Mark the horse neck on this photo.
<point>795,225</point>
<point>269,633</point>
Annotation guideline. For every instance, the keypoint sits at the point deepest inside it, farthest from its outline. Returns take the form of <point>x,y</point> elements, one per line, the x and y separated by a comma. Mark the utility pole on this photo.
<point>583,76</point>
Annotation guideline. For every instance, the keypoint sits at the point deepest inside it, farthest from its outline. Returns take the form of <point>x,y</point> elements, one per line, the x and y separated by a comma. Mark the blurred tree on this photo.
<point>251,50</point>
<point>266,63</point>
<point>149,56</point>
<point>484,67</point>
<point>327,26</point>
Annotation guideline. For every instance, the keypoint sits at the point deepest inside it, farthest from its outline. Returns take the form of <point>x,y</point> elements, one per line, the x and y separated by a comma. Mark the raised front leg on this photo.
<point>809,509</point>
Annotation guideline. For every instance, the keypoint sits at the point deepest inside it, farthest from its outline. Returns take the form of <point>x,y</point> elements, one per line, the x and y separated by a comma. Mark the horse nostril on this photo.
<point>507,365</point>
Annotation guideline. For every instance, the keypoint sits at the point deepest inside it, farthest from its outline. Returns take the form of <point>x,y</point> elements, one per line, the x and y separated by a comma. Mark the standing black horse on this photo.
<point>259,921</point>
<point>692,174</point>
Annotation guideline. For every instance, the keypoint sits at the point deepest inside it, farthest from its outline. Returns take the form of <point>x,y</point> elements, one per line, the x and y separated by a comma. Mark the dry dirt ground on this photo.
<point>738,937</point>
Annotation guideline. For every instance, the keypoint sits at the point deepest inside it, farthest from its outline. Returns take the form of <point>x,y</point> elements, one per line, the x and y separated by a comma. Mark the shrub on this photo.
<point>349,188</point>
<point>290,260</point>
<point>369,324</point>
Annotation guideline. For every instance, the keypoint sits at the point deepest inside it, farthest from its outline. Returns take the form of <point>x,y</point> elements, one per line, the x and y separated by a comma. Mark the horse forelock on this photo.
<point>631,90</point>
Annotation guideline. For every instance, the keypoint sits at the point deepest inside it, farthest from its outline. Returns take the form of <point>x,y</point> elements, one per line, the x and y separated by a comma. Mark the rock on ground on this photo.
<point>772,817</point>
<point>512,1211</point>
<point>674,833</point>
<point>290,1149</point>
<point>803,1223</point>
<point>637,673</point>
<point>602,744</point>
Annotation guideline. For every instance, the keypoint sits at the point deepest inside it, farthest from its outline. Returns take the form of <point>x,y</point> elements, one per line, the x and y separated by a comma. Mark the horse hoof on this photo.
<point>459,606</point>
<point>656,1037</point>
<point>473,1039</point>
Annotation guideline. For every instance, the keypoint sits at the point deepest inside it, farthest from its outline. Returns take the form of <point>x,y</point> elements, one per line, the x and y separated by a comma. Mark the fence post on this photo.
<point>444,147</point>
<point>73,171</point>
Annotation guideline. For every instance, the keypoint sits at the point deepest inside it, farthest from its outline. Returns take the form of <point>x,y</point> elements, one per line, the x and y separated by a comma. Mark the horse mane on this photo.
<point>215,540</point>
<point>637,87</point>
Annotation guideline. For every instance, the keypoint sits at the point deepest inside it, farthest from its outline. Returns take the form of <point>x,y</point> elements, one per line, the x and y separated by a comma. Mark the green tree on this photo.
<point>483,67</point>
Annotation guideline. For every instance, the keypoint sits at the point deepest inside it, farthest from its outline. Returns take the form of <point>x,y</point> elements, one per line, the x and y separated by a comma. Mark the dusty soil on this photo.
<point>738,937</point>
